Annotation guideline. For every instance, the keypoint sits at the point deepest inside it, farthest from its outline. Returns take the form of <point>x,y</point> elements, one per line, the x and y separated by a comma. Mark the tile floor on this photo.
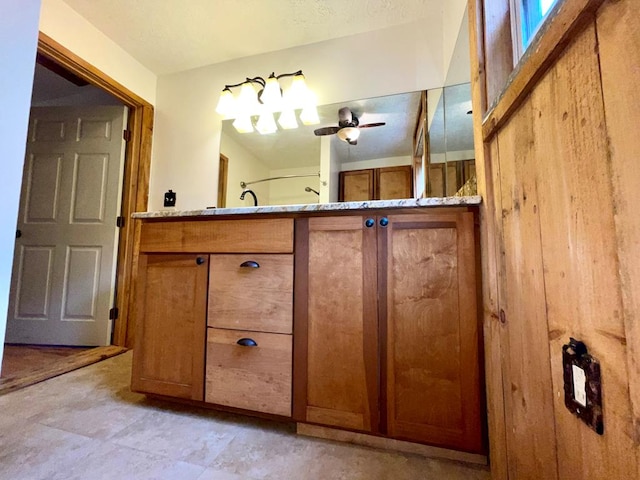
<point>87,424</point>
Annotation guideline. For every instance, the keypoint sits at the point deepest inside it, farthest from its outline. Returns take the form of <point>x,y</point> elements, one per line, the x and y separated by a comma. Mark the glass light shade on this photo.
<point>227,104</point>
<point>288,120</point>
<point>266,124</point>
<point>298,93</point>
<point>309,115</point>
<point>348,134</point>
<point>243,124</point>
<point>247,101</point>
<point>271,95</point>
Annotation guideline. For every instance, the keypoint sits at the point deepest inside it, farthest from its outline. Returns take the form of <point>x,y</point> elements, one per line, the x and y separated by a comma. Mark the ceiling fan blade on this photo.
<point>369,125</point>
<point>326,130</point>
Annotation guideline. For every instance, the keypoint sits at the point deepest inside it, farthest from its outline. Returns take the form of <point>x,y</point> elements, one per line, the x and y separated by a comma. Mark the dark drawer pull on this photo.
<point>200,260</point>
<point>247,342</point>
<point>250,264</point>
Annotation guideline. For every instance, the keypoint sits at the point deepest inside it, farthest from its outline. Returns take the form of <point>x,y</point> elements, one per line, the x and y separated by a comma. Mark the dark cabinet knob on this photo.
<point>250,264</point>
<point>18,233</point>
<point>384,221</point>
<point>247,342</point>
<point>369,222</point>
<point>200,260</point>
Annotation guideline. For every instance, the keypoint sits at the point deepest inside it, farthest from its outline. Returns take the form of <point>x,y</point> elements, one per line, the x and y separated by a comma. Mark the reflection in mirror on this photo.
<point>451,154</point>
<point>392,161</point>
<point>299,155</point>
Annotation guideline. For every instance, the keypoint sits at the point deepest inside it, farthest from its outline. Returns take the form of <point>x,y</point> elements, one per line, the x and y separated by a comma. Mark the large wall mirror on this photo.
<point>425,148</point>
<point>395,160</point>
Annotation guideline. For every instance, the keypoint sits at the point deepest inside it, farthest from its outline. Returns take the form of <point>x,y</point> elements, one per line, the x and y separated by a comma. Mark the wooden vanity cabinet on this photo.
<point>192,308</point>
<point>171,302</point>
<point>249,339</point>
<point>387,327</point>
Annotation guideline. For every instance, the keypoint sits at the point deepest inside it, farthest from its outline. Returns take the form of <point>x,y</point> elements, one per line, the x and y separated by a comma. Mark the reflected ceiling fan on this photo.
<point>348,128</point>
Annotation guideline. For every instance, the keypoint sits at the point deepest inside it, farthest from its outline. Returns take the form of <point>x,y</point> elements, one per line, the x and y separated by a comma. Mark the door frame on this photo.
<point>135,189</point>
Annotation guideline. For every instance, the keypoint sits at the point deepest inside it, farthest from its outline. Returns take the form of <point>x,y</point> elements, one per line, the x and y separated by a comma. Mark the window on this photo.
<point>526,18</point>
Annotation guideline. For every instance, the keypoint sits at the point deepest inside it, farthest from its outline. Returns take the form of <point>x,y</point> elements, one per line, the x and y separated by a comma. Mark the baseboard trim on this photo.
<point>388,444</point>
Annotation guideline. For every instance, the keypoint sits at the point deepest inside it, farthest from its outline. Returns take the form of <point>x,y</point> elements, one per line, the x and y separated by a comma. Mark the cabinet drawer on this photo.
<point>218,236</point>
<point>253,378</point>
<point>257,296</point>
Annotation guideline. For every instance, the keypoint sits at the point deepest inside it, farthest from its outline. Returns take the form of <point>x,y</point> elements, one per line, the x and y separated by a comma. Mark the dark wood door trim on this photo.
<point>136,175</point>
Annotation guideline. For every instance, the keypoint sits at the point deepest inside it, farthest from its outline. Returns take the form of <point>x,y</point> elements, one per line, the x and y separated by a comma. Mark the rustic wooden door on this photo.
<point>62,286</point>
<point>428,314</point>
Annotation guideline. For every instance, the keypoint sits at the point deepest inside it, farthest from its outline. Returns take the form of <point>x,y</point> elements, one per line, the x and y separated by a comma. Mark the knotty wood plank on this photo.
<point>68,364</point>
<point>528,395</point>
<point>618,30</point>
<point>583,295</point>
<point>498,61</point>
<point>490,220</point>
<point>556,33</point>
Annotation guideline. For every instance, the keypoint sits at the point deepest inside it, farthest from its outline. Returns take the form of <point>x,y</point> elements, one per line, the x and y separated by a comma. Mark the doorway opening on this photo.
<point>134,181</point>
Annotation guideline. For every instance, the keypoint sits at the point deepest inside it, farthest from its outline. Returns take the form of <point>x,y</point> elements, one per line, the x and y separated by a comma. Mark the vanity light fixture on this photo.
<point>267,100</point>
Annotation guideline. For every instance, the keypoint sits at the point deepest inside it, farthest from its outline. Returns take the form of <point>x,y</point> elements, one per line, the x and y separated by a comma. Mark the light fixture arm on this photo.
<point>261,81</point>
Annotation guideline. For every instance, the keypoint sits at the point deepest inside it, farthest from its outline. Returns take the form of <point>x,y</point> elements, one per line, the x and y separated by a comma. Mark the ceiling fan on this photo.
<point>348,128</point>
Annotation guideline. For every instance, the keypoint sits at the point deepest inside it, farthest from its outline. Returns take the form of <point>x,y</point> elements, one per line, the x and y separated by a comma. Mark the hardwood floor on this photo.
<point>25,365</point>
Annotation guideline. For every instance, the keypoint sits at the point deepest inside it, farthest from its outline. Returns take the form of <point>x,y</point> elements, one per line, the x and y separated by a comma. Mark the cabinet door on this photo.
<point>336,328</point>
<point>168,358</point>
<point>356,186</point>
<point>428,307</point>
<point>394,182</point>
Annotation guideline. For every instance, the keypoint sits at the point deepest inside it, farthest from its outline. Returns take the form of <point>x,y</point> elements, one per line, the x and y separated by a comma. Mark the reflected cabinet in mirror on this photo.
<point>401,149</point>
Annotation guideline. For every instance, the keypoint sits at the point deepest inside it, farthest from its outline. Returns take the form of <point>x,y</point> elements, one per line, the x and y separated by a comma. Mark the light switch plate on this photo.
<point>582,385</point>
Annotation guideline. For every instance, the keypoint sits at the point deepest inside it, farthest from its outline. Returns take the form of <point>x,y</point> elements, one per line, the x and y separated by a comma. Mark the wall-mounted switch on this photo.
<point>170,199</point>
<point>582,385</point>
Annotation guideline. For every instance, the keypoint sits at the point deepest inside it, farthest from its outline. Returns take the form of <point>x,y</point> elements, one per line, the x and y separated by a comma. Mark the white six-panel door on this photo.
<point>65,258</point>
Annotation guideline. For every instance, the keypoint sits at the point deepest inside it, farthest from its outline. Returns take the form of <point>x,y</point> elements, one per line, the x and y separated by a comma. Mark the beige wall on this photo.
<point>68,28</point>
<point>18,43</point>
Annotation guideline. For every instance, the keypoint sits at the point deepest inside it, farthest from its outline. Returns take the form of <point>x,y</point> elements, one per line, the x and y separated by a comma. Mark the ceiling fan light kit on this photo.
<point>266,101</point>
<point>348,128</point>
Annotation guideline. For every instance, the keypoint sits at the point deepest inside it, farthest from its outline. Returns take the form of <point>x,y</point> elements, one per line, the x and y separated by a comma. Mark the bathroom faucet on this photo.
<point>245,191</point>
<point>309,189</point>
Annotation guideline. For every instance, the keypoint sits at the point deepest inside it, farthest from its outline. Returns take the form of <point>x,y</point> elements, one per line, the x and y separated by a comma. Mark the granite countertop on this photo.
<point>317,207</point>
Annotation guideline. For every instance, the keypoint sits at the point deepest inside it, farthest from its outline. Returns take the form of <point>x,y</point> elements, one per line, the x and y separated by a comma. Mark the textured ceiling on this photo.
<point>173,35</point>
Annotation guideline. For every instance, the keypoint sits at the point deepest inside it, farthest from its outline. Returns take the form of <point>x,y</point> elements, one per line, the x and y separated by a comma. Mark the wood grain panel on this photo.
<point>394,182</point>
<point>618,30</point>
<point>356,186</point>
<point>529,399</point>
<point>247,298</point>
<point>253,378</point>
<point>583,296</point>
<point>342,372</point>
<point>557,31</point>
<point>433,385</point>
<point>171,313</point>
<point>219,236</point>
